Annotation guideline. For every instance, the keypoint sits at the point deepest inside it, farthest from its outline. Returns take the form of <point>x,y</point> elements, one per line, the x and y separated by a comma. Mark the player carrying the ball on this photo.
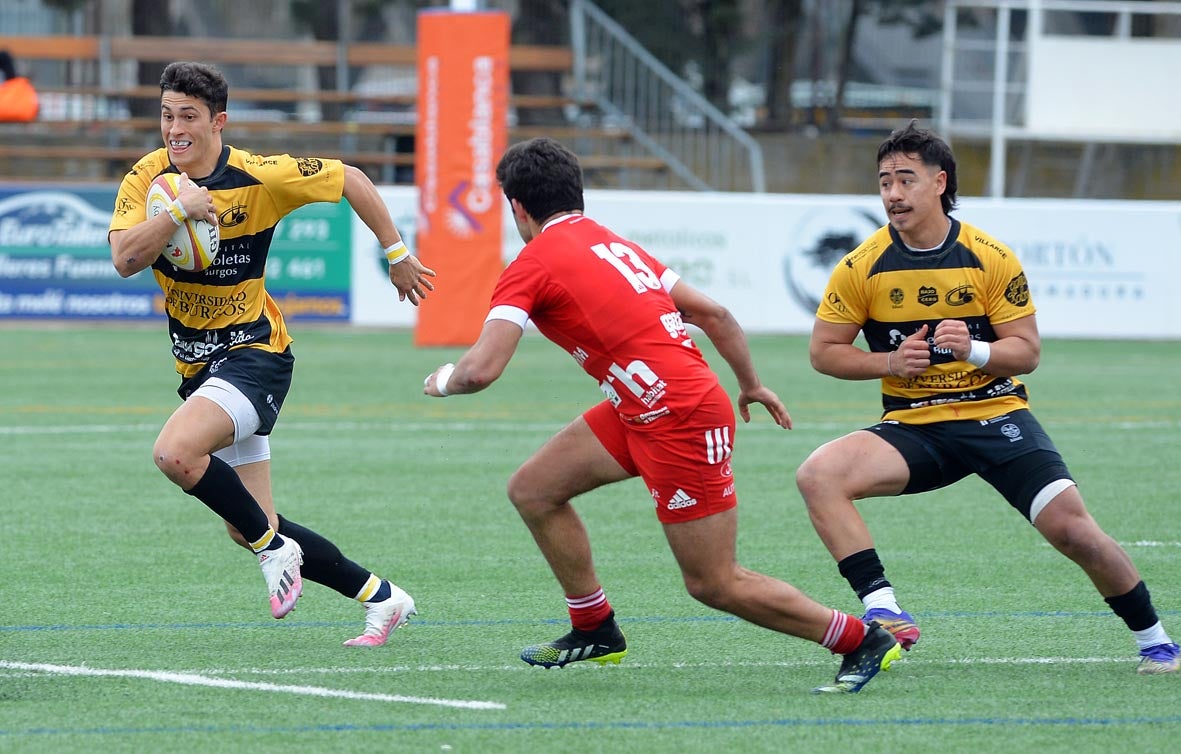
<point>229,340</point>
<point>622,316</point>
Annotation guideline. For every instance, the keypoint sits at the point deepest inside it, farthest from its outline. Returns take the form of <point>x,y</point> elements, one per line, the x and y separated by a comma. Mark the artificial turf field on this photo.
<point>130,623</point>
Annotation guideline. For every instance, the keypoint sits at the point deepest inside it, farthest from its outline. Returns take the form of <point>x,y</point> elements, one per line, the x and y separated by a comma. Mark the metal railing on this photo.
<point>629,89</point>
<point>984,85</point>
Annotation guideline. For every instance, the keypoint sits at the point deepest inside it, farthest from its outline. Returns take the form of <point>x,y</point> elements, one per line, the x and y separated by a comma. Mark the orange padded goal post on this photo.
<point>462,130</point>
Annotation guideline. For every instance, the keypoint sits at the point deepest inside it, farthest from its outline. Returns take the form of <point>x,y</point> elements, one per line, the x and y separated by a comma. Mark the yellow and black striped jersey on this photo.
<point>226,305</point>
<point>890,292</point>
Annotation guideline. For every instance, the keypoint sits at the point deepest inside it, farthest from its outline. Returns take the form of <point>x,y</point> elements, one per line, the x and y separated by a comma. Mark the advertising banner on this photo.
<point>375,301</point>
<point>1094,267</point>
<point>309,261</point>
<point>461,133</point>
<point>55,261</point>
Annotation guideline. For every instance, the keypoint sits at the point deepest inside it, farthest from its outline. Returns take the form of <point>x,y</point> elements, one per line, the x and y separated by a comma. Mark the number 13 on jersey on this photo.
<point>625,260</point>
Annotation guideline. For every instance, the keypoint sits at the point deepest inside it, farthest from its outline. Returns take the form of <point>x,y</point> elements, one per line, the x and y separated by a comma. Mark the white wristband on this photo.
<point>979,354</point>
<point>396,252</point>
<point>442,376</point>
<point>177,212</point>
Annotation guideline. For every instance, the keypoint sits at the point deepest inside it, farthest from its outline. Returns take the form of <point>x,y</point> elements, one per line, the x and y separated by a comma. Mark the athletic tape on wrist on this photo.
<point>177,212</point>
<point>396,252</point>
<point>441,378</point>
<point>979,354</point>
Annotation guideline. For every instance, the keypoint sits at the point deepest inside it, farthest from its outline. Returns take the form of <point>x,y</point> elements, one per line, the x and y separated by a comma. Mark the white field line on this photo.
<point>485,426</point>
<point>1130,660</point>
<point>1130,545</point>
<point>193,679</point>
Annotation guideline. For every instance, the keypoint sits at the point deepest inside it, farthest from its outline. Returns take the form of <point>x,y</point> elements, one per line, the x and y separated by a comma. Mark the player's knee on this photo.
<point>164,455</point>
<point>176,464</point>
<point>521,493</point>
<point>1073,533</point>
<point>709,591</point>
<point>812,477</point>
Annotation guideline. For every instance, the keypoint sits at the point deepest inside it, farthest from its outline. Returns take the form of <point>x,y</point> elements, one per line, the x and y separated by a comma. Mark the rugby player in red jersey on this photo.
<point>623,316</point>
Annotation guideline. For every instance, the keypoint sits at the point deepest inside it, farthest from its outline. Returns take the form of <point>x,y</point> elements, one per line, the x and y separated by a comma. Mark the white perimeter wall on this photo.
<point>1096,269</point>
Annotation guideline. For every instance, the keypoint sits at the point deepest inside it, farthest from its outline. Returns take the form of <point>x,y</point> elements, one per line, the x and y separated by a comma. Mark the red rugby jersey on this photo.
<point>605,301</point>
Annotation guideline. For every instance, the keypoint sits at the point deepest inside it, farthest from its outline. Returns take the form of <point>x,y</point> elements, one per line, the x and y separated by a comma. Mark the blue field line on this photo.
<point>426,623</point>
<point>832,722</point>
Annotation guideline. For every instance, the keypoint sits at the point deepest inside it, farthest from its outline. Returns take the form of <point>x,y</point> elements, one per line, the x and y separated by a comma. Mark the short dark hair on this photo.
<point>543,176</point>
<point>931,150</point>
<point>197,80</point>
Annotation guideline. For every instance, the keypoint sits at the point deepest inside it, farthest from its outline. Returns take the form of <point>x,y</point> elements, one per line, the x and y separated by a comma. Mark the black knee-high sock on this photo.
<point>323,561</point>
<point>864,572</point>
<point>223,492</point>
<point>1135,608</point>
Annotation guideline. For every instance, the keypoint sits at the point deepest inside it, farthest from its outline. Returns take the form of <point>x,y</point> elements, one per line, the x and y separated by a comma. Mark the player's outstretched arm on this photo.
<point>727,336</point>
<point>407,273</point>
<point>482,365</point>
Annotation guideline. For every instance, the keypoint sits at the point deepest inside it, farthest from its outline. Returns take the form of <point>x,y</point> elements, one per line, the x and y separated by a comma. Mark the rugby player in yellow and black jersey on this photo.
<point>946,314</point>
<point>229,340</point>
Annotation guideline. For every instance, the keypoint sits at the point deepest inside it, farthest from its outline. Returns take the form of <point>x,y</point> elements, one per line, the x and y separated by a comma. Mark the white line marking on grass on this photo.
<point>193,679</point>
<point>629,665</point>
<point>1127,545</point>
<point>79,429</point>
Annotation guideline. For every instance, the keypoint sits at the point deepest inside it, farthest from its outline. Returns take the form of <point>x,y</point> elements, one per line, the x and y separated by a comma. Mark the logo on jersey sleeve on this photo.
<point>1017,291</point>
<point>308,166</point>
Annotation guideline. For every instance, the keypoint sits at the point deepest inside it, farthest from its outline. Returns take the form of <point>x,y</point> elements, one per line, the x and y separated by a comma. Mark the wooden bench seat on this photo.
<point>371,128</point>
<point>270,52</point>
<point>84,151</point>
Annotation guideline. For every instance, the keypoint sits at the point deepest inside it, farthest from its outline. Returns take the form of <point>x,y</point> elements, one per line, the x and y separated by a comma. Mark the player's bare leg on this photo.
<point>570,463</point>
<point>705,548</point>
<point>849,468</point>
<point>1066,524</point>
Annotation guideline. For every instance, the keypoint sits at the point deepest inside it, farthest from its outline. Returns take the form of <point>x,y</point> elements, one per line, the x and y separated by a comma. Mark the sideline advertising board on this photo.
<point>1094,267</point>
<point>55,261</point>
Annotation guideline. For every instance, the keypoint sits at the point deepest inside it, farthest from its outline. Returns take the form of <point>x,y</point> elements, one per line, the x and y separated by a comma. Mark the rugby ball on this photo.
<point>193,246</point>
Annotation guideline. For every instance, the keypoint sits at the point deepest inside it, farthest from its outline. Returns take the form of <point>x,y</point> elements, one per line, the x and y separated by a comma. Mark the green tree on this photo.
<point>782,28</point>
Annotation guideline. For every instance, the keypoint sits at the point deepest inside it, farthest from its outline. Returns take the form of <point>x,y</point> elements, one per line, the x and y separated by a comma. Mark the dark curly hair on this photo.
<point>197,80</point>
<point>931,150</point>
<point>543,176</point>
